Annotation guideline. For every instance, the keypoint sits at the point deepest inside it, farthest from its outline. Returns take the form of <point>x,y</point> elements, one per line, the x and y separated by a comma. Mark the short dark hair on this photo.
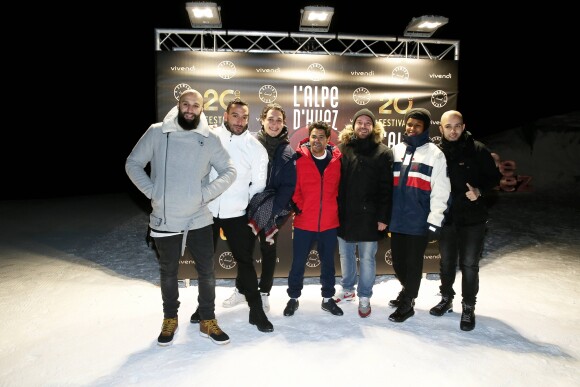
<point>273,106</point>
<point>235,101</point>
<point>319,125</point>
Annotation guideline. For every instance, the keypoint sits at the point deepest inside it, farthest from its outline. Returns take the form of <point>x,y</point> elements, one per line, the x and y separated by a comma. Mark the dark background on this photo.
<point>80,80</point>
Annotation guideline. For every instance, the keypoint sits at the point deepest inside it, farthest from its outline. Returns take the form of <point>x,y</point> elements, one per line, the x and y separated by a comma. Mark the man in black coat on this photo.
<point>364,204</point>
<point>473,175</point>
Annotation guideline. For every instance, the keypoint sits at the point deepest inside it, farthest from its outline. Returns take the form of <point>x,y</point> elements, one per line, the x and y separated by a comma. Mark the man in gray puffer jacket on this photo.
<point>181,151</point>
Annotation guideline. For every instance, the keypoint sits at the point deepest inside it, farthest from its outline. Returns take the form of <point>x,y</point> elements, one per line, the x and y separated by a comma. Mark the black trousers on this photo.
<point>463,245</point>
<point>269,260</point>
<point>408,252</point>
<point>241,240</point>
<point>169,249</point>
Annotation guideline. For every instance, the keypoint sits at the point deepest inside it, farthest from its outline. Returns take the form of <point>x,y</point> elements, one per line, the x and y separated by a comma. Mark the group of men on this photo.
<point>207,181</point>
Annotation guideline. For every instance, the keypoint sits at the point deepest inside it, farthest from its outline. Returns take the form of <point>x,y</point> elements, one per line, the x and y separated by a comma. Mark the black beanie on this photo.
<point>363,112</point>
<point>419,114</point>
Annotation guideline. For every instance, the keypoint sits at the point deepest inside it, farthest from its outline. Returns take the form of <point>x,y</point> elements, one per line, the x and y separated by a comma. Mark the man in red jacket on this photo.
<point>315,203</point>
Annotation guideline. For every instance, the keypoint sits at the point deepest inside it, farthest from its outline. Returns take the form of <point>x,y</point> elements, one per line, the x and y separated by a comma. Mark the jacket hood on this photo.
<point>347,134</point>
<point>170,123</point>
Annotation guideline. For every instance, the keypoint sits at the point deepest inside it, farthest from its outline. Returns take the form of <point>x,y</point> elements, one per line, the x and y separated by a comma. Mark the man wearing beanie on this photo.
<point>364,204</point>
<point>421,192</point>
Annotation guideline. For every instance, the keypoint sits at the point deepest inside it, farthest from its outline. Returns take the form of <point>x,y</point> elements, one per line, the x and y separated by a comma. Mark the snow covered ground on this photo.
<point>81,306</point>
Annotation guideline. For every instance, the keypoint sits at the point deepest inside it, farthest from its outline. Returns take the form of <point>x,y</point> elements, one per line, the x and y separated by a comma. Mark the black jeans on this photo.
<point>408,252</point>
<point>241,240</point>
<point>269,260</point>
<point>463,244</point>
<point>199,243</point>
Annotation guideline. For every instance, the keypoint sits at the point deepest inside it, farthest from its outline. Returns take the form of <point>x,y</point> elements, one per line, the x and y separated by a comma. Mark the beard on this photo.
<point>188,124</point>
<point>229,128</point>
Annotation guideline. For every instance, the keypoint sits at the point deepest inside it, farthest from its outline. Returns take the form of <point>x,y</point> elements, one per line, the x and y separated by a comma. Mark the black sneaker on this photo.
<point>195,319</point>
<point>168,330</point>
<point>291,307</point>
<point>467,317</point>
<point>395,303</point>
<point>444,306</point>
<point>211,330</point>
<point>403,312</point>
<point>259,319</point>
<point>330,306</point>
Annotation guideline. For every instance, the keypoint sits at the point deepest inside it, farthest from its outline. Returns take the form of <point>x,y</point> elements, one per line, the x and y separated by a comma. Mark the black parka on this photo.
<point>366,185</point>
<point>469,161</point>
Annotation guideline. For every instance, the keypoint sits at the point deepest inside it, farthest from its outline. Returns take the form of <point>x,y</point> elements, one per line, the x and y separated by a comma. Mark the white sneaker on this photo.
<point>236,298</point>
<point>344,295</point>
<point>364,307</point>
<point>265,302</point>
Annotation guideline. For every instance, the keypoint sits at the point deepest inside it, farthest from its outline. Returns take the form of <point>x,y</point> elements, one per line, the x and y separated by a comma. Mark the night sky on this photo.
<point>86,81</point>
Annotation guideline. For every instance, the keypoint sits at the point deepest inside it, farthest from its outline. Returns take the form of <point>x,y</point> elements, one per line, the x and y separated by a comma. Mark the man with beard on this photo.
<point>181,151</point>
<point>229,209</point>
<point>474,175</point>
<point>364,205</point>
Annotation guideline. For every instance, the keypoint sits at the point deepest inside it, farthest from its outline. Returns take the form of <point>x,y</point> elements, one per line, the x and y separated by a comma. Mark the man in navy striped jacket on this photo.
<point>421,191</point>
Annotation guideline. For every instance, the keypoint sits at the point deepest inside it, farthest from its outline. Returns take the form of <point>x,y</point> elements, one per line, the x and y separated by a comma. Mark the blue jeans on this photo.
<point>368,266</point>
<point>301,244</point>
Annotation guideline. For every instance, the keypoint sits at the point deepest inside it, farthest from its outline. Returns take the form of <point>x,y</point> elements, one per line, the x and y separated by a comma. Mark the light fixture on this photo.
<point>424,26</point>
<point>203,14</point>
<point>315,18</point>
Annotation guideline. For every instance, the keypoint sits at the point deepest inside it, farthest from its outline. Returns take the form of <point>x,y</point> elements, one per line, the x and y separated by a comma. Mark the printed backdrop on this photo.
<point>310,88</point>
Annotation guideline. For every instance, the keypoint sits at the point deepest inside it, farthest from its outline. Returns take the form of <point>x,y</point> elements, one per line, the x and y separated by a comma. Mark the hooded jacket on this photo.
<point>178,185</point>
<point>315,196</point>
<point>469,161</point>
<point>251,161</point>
<point>366,185</point>
<point>421,187</point>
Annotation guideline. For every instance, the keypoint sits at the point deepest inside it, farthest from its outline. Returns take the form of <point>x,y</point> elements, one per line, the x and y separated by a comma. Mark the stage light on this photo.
<point>203,14</point>
<point>316,19</point>
<point>424,26</point>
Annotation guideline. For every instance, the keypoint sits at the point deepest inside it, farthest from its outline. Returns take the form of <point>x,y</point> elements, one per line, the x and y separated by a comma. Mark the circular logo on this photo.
<point>267,93</point>
<point>226,69</point>
<point>400,73</point>
<point>439,98</point>
<point>226,260</point>
<point>361,96</point>
<point>313,259</point>
<point>177,90</point>
<point>388,257</point>
<point>316,71</point>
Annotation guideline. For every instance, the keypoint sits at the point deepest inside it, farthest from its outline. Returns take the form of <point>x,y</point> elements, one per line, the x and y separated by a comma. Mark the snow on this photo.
<point>81,304</point>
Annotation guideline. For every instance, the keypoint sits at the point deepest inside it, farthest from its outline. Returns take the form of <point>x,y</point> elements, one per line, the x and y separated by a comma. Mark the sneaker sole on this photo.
<point>216,342</point>
<point>169,342</point>
<point>337,300</point>
<point>402,319</point>
<point>231,306</point>
<point>329,311</point>
<point>438,314</point>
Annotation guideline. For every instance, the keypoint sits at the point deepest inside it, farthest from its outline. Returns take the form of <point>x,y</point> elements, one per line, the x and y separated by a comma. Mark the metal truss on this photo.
<point>305,43</point>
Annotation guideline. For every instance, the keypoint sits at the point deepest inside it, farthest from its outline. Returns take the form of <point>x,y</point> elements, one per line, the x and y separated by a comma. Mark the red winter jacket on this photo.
<point>316,196</point>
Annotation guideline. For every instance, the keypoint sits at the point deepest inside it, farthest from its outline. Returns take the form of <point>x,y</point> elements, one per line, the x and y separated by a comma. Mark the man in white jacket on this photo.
<point>182,151</point>
<point>229,209</point>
